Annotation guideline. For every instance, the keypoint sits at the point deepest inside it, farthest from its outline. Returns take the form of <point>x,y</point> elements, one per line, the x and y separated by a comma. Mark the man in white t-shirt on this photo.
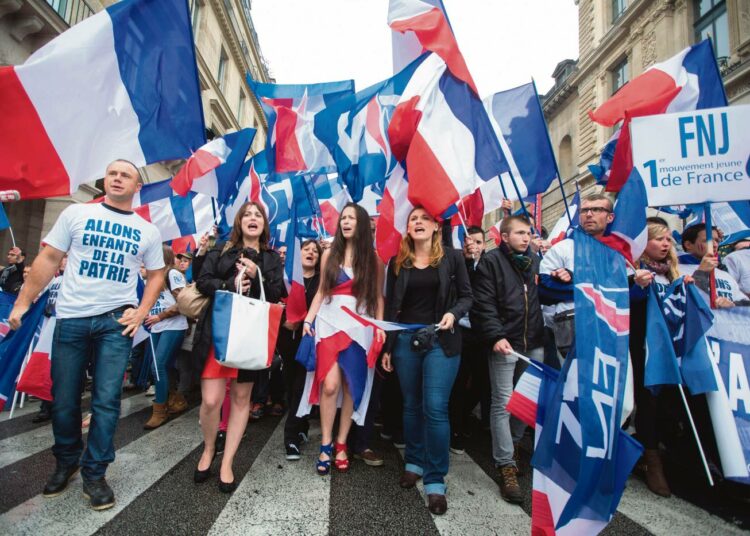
<point>97,315</point>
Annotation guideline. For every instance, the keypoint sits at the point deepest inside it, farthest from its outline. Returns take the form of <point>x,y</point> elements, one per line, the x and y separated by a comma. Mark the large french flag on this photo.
<point>88,97</point>
<point>424,26</point>
<point>440,128</point>
<point>214,168</point>
<point>290,109</point>
<point>394,209</point>
<point>521,129</point>
<point>687,81</point>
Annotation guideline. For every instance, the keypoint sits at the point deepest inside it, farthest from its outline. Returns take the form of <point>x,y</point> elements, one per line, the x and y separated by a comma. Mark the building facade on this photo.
<point>227,47</point>
<point>618,40</point>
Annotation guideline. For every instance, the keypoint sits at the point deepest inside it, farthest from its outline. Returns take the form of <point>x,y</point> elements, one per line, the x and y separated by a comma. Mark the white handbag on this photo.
<point>245,329</point>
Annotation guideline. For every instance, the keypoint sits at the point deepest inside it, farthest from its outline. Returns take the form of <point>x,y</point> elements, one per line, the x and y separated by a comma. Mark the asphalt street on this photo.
<point>152,480</point>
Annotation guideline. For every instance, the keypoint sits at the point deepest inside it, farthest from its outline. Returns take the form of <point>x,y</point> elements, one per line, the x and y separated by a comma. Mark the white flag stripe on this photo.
<point>18,447</point>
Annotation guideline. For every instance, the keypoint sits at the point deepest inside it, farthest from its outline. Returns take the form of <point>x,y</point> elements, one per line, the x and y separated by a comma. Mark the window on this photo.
<point>241,107</point>
<point>618,8</point>
<point>711,21</point>
<point>195,12</point>
<point>565,158</point>
<point>620,75</point>
<point>222,74</point>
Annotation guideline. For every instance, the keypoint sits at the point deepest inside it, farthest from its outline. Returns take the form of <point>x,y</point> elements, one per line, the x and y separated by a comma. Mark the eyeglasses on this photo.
<point>595,210</point>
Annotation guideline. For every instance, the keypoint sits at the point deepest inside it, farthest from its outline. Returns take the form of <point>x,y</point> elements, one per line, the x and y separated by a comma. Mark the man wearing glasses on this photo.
<point>556,270</point>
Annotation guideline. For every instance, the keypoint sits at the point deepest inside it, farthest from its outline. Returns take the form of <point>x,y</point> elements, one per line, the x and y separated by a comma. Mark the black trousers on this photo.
<point>472,384</point>
<point>294,375</point>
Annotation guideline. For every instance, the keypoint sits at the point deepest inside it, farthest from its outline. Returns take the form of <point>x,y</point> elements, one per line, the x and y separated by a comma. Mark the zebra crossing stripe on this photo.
<point>667,517</point>
<point>277,496</point>
<point>137,467</point>
<point>475,505</point>
<point>18,447</point>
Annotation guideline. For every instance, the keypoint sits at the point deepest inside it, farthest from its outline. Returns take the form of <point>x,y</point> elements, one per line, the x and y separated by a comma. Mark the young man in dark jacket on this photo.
<point>507,313</point>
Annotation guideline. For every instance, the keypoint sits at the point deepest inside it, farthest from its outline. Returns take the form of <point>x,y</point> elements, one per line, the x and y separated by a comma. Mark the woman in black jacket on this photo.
<point>426,284</point>
<point>290,335</point>
<point>247,248</point>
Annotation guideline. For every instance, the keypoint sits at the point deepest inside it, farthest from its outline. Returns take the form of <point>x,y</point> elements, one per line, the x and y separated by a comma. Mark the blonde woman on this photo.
<point>426,284</point>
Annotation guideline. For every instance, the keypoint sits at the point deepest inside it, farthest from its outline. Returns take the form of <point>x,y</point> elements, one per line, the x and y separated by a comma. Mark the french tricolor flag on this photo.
<point>394,209</point>
<point>177,216</point>
<point>426,22</point>
<point>330,210</point>
<point>89,97</point>
<point>296,303</point>
<point>36,378</point>
<point>198,170</point>
<point>440,128</point>
<point>564,225</point>
<point>687,81</point>
<point>213,169</point>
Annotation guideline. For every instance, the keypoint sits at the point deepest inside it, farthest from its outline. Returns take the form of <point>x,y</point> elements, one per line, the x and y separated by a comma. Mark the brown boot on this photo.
<point>158,417</point>
<point>510,491</point>
<point>176,404</point>
<point>655,479</point>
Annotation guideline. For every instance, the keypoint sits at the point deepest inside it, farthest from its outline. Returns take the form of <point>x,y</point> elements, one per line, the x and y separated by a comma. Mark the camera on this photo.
<point>423,340</point>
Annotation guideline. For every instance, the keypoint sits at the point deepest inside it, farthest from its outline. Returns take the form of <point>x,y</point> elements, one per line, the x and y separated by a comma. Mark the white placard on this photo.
<point>693,157</point>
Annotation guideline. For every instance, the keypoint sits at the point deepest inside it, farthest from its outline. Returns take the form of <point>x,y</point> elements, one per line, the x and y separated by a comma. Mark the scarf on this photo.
<point>661,268</point>
<point>521,261</point>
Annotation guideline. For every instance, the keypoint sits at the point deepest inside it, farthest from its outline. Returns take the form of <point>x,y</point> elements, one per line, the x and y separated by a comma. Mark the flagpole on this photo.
<point>153,356</point>
<point>554,159</point>
<point>695,433</point>
<point>15,392</point>
<point>12,237</point>
<point>528,360</point>
<point>710,251</point>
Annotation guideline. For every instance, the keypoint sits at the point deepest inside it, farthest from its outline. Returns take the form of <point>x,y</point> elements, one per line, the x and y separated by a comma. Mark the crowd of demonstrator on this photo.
<point>480,308</point>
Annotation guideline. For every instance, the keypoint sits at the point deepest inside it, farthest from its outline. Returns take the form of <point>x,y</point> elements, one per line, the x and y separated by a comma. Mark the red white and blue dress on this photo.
<point>340,338</point>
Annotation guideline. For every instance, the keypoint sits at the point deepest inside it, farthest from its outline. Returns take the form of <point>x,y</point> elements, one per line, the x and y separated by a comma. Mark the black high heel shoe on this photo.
<point>227,487</point>
<point>199,477</point>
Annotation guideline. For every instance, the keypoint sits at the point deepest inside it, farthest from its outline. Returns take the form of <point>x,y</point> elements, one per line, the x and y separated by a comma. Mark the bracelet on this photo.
<point>306,322</point>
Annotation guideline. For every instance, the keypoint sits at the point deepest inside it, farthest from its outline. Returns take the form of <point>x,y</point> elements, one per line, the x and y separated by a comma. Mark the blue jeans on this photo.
<point>166,345</point>
<point>426,383</point>
<point>76,342</point>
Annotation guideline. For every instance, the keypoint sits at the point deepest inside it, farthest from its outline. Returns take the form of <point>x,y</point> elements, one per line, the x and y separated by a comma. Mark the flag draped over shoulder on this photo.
<point>580,451</point>
<point>687,81</point>
<point>13,349</point>
<point>101,74</point>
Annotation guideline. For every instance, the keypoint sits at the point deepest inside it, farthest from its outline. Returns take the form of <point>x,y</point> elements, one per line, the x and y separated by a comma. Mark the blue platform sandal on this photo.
<point>324,467</point>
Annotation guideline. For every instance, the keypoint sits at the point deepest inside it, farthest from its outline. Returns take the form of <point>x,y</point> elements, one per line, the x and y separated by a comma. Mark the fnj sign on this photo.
<point>693,157</point>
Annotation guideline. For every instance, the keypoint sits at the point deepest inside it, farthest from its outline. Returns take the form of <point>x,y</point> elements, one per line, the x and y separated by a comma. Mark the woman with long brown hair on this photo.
<point>351,276</point>
<point>247,249</point>
<point>426,284</point>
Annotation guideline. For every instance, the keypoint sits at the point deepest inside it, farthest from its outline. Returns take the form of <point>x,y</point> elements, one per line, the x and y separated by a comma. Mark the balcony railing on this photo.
<point>71,11</point>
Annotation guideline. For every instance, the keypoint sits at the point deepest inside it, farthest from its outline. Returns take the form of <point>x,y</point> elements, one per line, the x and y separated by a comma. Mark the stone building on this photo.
<point>618,40</point>
<point>227,47</point>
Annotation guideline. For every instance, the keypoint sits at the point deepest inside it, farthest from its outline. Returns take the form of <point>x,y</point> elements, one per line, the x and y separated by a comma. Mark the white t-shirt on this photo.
<point>166,300</point>
<point>560,255</point>
<point>738,266</point>
<point>726,286</point>
<point>106,248</point>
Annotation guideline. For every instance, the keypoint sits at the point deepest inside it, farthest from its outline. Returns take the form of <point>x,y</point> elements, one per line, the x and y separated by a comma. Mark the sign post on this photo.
<point>692,157</point>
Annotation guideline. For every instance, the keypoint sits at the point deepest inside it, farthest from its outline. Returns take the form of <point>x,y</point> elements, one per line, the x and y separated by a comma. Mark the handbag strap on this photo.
<point>238,283</point>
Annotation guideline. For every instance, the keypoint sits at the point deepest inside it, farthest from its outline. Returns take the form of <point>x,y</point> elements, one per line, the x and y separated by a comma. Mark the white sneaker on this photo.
<point>151,391</point>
